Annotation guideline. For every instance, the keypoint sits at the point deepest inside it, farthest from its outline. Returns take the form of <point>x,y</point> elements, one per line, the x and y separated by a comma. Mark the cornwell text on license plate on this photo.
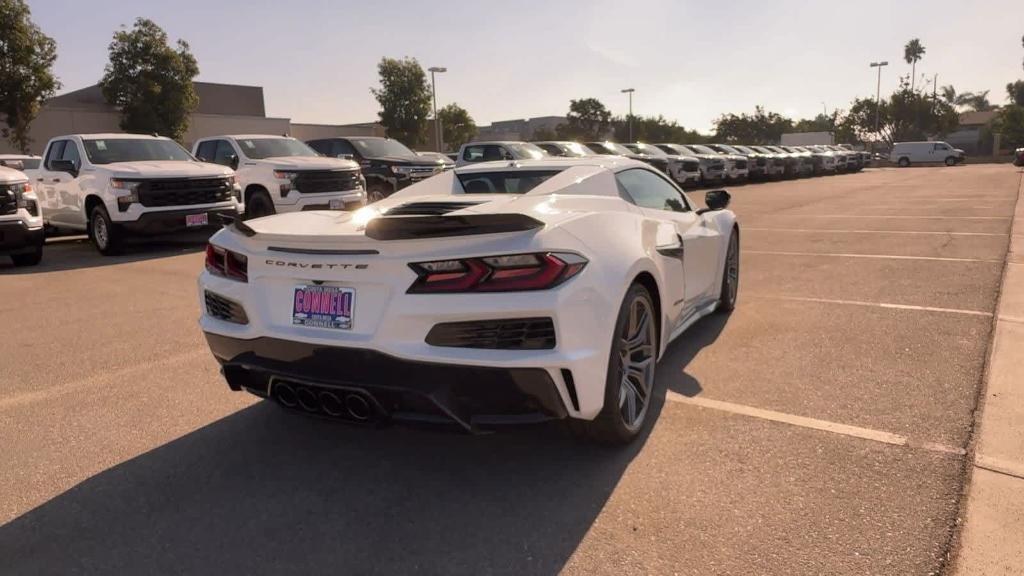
<point>323,306</point>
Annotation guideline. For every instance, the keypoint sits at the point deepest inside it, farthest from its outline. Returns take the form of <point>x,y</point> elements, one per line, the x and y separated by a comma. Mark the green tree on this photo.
<point>150,81</point>
<point>1010,123</point>
<point>457,126</point>
<point>1015,91</point>
<point>653,129</point>
<point>588,119</point>
<point>26,75</point>
<point>905,115</point>
<point>913,52</point>
<point>758,128</point>
<point>404,98</point>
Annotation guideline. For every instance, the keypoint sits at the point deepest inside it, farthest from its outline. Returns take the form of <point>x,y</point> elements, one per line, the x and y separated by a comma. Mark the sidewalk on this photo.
<point>992,538</point>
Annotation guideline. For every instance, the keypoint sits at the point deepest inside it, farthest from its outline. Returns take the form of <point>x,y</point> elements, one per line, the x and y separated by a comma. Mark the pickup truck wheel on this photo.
<point>259,205</point>
<point>904,162</point>
<point>950,161</point>
<point>104,234</point>
<point>29,259</point>
<point>376,193</point>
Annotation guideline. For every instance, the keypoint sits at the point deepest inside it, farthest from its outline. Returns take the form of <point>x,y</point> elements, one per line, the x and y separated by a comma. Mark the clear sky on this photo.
<point>689,61</point>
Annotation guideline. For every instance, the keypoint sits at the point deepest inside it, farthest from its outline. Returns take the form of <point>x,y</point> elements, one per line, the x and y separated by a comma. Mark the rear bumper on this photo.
<point>166,221</point>
<point>397,389</point>
<point>17,238</point>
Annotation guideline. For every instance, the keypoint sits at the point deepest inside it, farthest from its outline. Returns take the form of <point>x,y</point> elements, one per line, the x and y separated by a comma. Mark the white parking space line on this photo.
<point>891,216</point>
<point>813,423</point>
<point>872,304</point>
<point>879,256</point>
<point>827,231</point>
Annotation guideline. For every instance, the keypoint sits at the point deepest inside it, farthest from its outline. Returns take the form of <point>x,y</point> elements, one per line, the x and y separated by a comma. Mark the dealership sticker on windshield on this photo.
<point>323,307</point>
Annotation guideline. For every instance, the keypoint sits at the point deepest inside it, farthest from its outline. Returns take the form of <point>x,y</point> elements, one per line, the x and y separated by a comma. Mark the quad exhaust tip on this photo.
<point>353,405</point>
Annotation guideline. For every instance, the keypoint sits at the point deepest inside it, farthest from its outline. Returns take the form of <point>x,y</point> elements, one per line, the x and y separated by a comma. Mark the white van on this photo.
<point>906,153</point>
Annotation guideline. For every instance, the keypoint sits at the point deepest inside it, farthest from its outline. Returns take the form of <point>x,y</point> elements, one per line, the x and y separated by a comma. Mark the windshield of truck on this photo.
<point>133,150</point>
<point>526,150</point>
<point>702,149</point>
<point>260,148</point>
<point>649,150</point>
<point>378,147</point>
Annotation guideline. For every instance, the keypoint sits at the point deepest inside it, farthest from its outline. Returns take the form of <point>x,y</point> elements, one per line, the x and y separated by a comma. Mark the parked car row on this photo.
<point>689,165</point>
<point>110,186</point>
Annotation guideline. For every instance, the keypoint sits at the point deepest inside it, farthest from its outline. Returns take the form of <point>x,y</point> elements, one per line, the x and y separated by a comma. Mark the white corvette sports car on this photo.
<point>502,292</point>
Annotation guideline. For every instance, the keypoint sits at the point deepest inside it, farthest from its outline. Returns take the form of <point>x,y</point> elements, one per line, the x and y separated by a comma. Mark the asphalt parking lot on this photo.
<point>819,429</point>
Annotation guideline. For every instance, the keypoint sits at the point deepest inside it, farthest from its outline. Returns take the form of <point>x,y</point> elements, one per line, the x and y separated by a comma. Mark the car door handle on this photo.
<point>673,250</point>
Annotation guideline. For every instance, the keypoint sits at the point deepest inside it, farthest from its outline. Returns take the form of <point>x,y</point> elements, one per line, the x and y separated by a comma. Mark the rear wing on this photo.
<point>412,227</point>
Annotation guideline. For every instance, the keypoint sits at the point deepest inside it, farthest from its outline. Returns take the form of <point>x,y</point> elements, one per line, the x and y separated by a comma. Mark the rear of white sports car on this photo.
<point>491,317</point>
<point>463,300</point>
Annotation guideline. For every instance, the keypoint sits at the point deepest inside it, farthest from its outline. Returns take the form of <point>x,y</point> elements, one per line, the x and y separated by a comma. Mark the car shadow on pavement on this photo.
<point>266,492</point>
<point>74,253</point>
<point>672,373</point>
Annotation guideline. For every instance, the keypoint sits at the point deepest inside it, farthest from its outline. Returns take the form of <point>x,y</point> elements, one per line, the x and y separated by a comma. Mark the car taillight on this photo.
<point>226,263</point>
<point>508,273</point>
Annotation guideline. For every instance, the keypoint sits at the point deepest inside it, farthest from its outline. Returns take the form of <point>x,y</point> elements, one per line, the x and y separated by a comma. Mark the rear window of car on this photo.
<point>504,182</point>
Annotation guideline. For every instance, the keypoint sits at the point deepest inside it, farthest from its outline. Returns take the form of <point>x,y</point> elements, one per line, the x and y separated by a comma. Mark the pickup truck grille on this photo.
<point>689,166</point>
<point>321,181</point>
<point>9,198</point>
<point>183,191</point>
<point>741,164</point>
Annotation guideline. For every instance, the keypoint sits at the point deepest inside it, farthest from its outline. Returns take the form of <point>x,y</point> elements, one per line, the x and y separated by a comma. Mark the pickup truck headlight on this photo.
<point>287,175</point>
<point>236,188</point>
<point>401,170</point>
<point>126,192</point>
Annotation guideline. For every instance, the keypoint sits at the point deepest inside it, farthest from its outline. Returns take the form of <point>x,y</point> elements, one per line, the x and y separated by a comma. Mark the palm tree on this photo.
<point>949,94</point>
<point>913,52</point>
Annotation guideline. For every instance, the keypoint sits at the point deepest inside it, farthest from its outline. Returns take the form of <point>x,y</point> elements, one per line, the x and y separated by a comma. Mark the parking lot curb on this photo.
<point>990,540</point>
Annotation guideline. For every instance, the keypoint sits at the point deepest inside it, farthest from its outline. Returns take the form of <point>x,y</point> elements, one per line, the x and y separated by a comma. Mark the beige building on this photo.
<point>223,109</point>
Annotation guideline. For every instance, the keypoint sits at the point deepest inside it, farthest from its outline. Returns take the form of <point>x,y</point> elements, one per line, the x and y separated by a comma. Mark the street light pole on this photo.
<point>878,91</point>
<point>630,92</point>
<point>433,91</point>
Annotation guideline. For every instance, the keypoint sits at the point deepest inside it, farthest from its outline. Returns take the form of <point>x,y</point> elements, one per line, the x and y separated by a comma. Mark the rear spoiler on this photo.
<point>411,227</point>
<point>236,223</point>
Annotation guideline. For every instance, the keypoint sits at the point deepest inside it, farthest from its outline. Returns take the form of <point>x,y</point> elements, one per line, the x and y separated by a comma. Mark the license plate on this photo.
<point>196,220</point>
<point>337,204</point>
<point>323,307</point>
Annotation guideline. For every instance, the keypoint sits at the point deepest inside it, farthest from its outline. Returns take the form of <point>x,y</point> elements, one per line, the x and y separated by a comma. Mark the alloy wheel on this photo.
<point>636,363</point>
<point>732,269</point>
<point>99,231</point>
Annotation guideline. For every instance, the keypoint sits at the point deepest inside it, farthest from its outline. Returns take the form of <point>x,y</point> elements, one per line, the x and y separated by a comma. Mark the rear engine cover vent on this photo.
<point>428,208</point>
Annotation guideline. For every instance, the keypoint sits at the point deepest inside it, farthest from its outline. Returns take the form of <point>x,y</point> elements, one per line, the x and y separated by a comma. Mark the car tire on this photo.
<point>904,162</point>
<point>627,397</point>
<point>28,259</point>
<point>259,205</point>
<point>950,161</point>
<point>377,192</point>
<point>104,234</point>
<point>730,275</point>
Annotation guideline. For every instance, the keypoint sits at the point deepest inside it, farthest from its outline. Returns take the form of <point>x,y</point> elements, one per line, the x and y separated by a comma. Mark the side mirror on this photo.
<point>64,166</point>
<point>716,200</point>
<point>233,161</point>
<point>345,156</point>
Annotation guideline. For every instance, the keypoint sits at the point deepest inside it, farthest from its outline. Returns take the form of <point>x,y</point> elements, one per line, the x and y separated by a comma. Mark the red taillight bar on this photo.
<point>222,262</point>
<point>505,273</point>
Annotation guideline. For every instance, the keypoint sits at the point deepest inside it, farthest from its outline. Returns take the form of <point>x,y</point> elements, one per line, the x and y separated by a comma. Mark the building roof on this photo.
<point>223,99</point>
<point>974,118</point>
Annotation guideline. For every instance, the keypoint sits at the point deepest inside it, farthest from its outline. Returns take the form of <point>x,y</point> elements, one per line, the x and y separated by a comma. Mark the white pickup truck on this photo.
<point>21,223</point>
<point>281,174</point>
<point>110,185</point>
